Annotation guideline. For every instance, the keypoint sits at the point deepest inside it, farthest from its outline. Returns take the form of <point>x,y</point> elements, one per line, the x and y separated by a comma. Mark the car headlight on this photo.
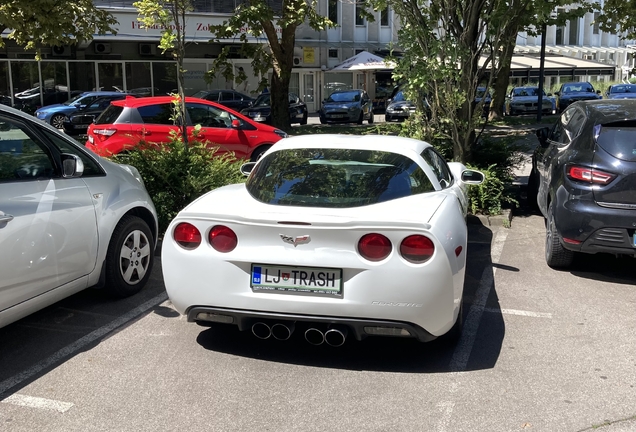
<point>390,110</point>
<point>353,108</point>
<point>281,133</point>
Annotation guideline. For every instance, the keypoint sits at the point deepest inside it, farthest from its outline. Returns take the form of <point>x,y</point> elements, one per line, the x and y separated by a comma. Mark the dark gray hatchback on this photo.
<point>584,180</point>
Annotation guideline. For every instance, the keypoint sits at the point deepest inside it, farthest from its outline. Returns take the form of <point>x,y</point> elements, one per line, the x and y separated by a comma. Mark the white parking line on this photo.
<point>37,402</point>
<point>471,325</point>
<point>80,343</point>
<point>519,312</point>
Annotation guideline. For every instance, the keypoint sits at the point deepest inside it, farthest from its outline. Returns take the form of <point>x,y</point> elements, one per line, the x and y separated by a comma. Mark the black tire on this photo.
<point>533,189</point>
<point>370,121</point>
<point>556,256</point>
<point>304,120</point>
<point>130,257</point>
<point>387,118</point>
<point>57,121</point>
<point>361,118</point>
<point>256,154</point>
<point>322,121</point>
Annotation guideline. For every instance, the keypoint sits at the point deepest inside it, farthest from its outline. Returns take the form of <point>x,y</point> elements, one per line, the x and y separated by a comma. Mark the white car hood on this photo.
<point>234,203</point>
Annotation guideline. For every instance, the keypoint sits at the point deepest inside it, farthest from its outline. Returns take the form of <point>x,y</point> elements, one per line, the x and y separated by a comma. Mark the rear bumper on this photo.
<point>244,319</point>
<point>598,229</point>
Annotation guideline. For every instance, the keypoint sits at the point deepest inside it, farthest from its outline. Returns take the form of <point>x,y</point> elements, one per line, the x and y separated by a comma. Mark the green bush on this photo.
<point>489,197</point>
<point>175,175</point>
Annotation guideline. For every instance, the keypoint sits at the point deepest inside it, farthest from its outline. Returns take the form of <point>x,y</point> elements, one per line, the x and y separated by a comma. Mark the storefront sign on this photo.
<point>308,55</point>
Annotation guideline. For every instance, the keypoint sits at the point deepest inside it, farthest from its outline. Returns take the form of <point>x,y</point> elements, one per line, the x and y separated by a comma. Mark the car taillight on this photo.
<point>104,134</point>
<point>417,249</point>
<point>589,175</point>
<point>187,236</point>
<point>222,238</point>
<point>374,247</point>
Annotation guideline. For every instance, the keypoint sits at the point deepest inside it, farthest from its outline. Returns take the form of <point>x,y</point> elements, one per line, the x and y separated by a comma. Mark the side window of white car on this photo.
<point>439,167</point>
<point>22,156</point>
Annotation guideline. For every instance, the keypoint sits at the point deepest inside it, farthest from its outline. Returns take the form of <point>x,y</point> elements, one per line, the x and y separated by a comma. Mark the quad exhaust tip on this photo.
<point>282,331</point>
<point>261,330</point>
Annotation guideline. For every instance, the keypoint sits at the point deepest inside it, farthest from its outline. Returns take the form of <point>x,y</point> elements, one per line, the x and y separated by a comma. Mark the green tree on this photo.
<point>618,16</point>
<point>37,23</point>
<point>170,15</point>
<point>279,28</point>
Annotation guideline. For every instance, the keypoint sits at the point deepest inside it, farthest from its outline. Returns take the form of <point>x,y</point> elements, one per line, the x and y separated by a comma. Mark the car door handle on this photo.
<point>4,218</point>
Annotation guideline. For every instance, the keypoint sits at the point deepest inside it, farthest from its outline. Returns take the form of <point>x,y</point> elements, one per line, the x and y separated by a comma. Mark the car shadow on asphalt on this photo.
<point>480,345</point>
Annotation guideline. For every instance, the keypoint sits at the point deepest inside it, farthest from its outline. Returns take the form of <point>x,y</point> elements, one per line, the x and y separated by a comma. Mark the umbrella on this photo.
<point>364,61</point>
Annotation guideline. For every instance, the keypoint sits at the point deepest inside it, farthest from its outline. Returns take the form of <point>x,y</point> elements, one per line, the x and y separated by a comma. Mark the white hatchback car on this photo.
<point>68,219</point>
<point>331,235</point>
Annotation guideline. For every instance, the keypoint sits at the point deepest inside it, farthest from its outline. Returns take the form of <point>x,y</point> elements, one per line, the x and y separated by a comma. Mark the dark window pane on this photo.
<point>22,155</point>
<point>618,139</point>
<point>333,11</point>
<point>110,115</point>
<point>91,169</point>
<point>384,17</point>
<point>156,114</point>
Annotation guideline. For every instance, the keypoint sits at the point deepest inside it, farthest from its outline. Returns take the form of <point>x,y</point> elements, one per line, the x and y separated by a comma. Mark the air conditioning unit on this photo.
<point>298,60</point>
<point>102,48</point>
<point>61,51</point>
<point>146,49</point>
<point>589,57</point>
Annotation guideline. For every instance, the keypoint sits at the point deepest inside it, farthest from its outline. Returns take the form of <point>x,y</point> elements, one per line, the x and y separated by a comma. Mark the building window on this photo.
<point>596,23</point>
<point>333,11</point>
<point>384,17</point>
<point>333,52</point>
<point>359,17</point>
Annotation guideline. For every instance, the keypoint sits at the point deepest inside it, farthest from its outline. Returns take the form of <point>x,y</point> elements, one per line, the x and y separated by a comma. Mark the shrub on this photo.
<point>175,175</point>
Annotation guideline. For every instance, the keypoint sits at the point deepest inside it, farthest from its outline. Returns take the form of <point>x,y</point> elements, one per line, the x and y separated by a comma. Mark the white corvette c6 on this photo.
<point>331,235</point>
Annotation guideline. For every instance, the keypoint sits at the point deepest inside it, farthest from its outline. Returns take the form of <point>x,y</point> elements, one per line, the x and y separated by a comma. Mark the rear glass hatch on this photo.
<point>616,154</point>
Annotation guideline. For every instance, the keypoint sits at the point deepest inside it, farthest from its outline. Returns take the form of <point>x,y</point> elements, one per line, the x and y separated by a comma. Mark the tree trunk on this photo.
<point>503,75</point>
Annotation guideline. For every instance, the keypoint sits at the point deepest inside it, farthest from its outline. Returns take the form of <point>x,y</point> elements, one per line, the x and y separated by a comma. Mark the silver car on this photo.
<point>69,219</point>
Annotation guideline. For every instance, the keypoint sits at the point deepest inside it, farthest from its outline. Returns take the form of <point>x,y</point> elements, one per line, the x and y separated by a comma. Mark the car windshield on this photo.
<point>399,97</point>
<point>351,96</point>
<point>480,93</point>
<point>618,139</point>
<point>335,178</point>
<point>629,88</point>
<point>526,91</point>
<point>262,101</point>
<point>577,88</point>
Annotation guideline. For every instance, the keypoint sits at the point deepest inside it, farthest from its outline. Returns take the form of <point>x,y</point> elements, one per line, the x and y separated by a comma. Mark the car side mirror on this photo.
<point>4,127</point>
<point>598,92</point>
<point>236,124</point>
<point>557,93</point>
<point>247,168</point>
<point>542,134</point>
<point>72,166</point>
<point>472,177</point>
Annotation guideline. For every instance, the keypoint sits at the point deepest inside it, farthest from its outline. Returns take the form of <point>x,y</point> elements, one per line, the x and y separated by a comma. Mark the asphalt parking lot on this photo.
<point>542,350</point>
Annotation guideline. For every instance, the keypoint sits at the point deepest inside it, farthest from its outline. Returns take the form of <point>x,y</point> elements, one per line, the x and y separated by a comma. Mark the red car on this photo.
<point>126,122</point>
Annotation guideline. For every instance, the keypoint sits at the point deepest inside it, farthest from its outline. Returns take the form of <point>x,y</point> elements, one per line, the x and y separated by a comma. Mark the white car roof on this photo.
<point>389,143</point>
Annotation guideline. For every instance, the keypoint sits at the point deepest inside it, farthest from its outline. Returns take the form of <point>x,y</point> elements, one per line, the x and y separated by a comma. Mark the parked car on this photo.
<point>29,101</point>
<point>483,94</point>
<point>399,108</point>
<point>331,235</point>
<point>347,106</point>
<point>575,91</point>
<point>127,122</point>
<point>229,98</point>
<point>621,91</point>
<point>56,114</point>
<point>261,110</point>
<point>68,219</point>
<point>78,123</point>
<point>582,179</point>
<point>525,100</point>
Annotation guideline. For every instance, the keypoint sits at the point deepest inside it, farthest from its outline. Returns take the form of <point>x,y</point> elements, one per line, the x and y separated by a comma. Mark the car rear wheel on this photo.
<point>371,118</point>
<point>304,120</point>
<point>57,121</point>
<point>556,256</point>
<point>361,118</point>
<point>129,258</point>
<point>256,154</point>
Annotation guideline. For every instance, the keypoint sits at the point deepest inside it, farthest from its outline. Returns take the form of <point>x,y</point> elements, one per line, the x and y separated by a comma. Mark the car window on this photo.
<point>23,156</point>
<point>335,178</point>
<point>575,122</point>
<point>439,167</point>
<point>157,114</point>
<point>226,96</point>
<point>618,139</point>
<point>91,168</point>
<point>292,97</point>
<point>558,133</point>
<point>209,116</point>
<point>110,115</point>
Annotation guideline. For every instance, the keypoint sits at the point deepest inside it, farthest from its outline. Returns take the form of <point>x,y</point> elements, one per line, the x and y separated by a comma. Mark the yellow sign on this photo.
<point>308,55</point>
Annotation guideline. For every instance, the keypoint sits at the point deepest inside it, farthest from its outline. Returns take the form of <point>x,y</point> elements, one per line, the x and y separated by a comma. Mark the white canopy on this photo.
<point>364,61</point>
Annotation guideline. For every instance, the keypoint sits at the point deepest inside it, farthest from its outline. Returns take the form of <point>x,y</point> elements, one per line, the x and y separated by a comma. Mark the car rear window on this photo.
<point>335,178</point>
<point>110,115</point>
<point>618,139</point>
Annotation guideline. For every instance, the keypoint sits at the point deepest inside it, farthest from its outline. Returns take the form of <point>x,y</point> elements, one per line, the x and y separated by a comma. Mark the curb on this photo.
<point>502,220</point>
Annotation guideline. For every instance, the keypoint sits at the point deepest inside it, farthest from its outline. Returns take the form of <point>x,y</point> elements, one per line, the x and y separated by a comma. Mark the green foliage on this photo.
<point>488,197</point>
<point>175,175</point>
<point>37,23</point>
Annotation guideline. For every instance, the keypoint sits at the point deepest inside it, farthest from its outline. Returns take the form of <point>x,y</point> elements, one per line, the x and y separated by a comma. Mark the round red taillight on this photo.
<point>187,235</point>
<point>222,238</point>
<point>374,247</point>
<point>417,249</point>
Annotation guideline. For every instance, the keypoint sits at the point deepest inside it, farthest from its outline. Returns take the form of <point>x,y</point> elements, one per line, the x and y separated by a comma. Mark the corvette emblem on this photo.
<point>295,240</point>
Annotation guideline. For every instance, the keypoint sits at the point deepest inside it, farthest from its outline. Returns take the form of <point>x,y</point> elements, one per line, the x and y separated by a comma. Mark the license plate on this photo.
<point>259,119</point>
<point>336,115</point>
<point>90,139</point>
<point>80,127</point>
<point>296,280</point>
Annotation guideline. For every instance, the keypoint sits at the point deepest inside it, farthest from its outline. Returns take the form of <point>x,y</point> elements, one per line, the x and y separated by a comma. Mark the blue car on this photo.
<point>575,91</point>
<point>621,91</point>
<point>56,114</point>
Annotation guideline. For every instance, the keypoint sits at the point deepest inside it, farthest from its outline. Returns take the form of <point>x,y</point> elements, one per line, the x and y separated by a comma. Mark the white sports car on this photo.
<point>331,235</point>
